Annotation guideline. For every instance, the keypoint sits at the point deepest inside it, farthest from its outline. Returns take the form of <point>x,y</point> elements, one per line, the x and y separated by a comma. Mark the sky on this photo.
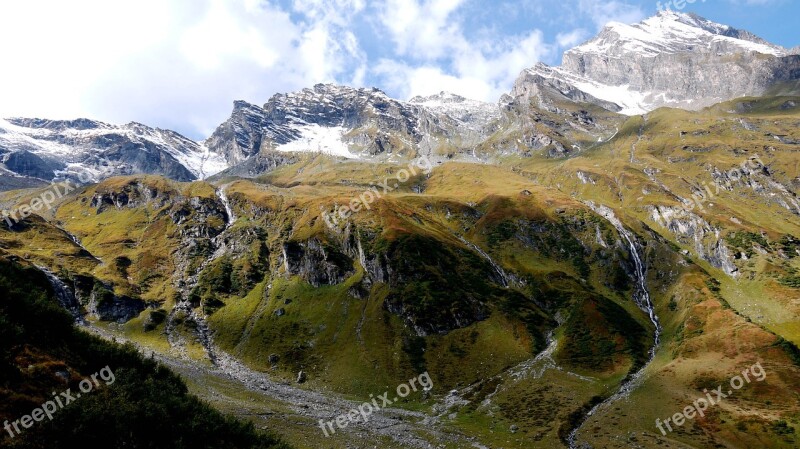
<point>180,64</point>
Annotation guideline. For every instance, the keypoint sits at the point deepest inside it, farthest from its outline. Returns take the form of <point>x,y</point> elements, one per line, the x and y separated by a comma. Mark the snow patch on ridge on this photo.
<point>202,164</point>
<point>22,138</point>
<point>631,101</point>
<point>319,139</point>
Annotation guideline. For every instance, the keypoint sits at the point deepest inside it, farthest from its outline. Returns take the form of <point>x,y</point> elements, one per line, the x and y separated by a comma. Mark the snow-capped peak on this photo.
<point>671,59</point>
<point>690,19</point>
<point>61,147</point>
<point>674,32</point>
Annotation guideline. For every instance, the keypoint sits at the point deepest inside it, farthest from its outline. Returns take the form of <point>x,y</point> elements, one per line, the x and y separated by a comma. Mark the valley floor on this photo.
<point>295,413</point>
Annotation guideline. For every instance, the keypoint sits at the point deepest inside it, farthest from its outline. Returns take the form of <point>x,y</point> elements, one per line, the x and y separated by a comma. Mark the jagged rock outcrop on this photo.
<point>753,176</point>
<point>541,86</point>
<point>692,230</point>
<point>317,263</point>
<point>332,119</point>
<point>104,305</point>
<point>132,195</point>
<point>87,295</point>
<point>240,136</point>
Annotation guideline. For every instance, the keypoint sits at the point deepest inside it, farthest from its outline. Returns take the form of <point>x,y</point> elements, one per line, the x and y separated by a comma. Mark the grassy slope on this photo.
<point>329,317</point>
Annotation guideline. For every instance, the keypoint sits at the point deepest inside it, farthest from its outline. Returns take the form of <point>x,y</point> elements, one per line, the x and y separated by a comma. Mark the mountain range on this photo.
<point>672,59</point>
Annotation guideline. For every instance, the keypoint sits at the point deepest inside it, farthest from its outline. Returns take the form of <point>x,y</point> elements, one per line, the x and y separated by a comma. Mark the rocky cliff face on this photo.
<point>86,296</point>
<point>542,86</point>
<point>104,305</point>
<point>692,230</point>
<point>336,120</point>
<point>240,136</point>
<point>316,263</point>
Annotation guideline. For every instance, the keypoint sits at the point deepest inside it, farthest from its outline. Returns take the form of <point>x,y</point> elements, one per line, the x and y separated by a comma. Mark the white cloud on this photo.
<point>571,39</point>
<point>339,12</point>
<point>328,44</point>
<point>602,12</point>
<point>52,52</point>
<point>221,34</point>
<point>427,80</point>
<point>422,29</point>
<point>440,57</point>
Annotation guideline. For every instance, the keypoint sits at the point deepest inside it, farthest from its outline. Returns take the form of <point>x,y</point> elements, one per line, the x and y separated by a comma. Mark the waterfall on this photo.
<point>64,295</point>
<point>228,210</point>
<point>504,277</point>
<point>77,242</point>
<point>203,332</point>
<point>641,296</point>
<point>643,300</point>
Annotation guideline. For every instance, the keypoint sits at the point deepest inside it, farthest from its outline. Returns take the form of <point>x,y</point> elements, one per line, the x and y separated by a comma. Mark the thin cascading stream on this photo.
<point>505,279</point>
<point>645,303</point>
